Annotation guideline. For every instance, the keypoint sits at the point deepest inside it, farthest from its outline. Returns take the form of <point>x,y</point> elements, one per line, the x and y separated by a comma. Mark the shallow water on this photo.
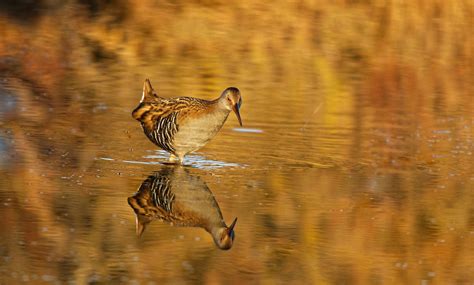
<point>354,164</point>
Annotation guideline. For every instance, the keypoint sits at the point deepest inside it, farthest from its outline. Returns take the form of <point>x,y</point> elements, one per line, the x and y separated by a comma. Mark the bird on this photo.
<point>181,199</point>
<point>182,125</point>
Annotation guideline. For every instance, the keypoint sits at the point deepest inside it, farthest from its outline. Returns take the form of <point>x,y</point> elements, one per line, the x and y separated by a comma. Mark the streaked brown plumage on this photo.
<point>184,124</point>
<point>181,199</point>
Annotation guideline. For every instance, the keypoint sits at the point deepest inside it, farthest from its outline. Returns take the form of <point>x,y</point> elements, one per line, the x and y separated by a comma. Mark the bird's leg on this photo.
<point>181,159</point>
<point>174,159</point>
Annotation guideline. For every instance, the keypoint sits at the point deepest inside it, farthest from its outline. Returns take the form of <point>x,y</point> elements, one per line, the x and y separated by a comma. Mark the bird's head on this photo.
<point>233,101</point>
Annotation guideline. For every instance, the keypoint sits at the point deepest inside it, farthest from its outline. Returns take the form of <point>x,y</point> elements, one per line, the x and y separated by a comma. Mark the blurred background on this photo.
<point>354,166</point>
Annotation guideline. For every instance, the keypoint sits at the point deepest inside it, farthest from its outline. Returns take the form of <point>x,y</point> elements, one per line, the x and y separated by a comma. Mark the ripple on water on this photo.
<point>193,160</point>
<point>247,130</point>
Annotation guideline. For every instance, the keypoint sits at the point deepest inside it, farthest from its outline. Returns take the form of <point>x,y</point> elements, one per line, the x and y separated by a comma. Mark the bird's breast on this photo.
<point>195,132</point>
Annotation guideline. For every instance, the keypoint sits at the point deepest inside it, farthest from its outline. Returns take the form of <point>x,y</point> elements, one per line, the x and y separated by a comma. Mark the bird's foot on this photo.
<point>174,160</point>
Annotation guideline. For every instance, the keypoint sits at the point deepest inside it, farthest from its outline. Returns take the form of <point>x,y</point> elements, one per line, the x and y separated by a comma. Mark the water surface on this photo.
<point>354,165</point>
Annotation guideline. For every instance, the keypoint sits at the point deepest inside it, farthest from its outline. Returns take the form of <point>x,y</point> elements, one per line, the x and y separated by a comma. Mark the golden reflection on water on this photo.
<point>360,169</point>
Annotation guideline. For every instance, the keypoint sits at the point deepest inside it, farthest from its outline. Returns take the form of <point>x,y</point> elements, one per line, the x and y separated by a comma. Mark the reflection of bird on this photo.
<point>175,196</point>
<point>184,124</point>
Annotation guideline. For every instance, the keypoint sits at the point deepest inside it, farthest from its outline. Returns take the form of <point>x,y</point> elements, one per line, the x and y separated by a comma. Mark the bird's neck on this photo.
<point>221,104</point>
<point>217,230</point>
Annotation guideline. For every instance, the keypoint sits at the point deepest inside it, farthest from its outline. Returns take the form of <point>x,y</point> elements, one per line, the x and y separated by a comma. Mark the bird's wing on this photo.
<point>159,121</point>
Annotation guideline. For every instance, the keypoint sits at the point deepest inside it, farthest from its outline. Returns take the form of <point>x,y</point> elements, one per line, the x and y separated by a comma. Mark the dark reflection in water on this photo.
<point>21,10</point>
<point>182,199</point>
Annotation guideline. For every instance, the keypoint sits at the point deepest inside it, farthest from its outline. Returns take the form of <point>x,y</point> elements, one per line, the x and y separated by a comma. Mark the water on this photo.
<point>354,164</point>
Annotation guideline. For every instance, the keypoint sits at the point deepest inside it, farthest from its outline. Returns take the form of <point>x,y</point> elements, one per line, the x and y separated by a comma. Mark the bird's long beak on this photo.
<point>236,108</point>
<point>231,228</point>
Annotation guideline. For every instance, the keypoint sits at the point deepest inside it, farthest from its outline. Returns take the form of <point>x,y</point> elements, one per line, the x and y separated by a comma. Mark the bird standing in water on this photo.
<point>184,124</point>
